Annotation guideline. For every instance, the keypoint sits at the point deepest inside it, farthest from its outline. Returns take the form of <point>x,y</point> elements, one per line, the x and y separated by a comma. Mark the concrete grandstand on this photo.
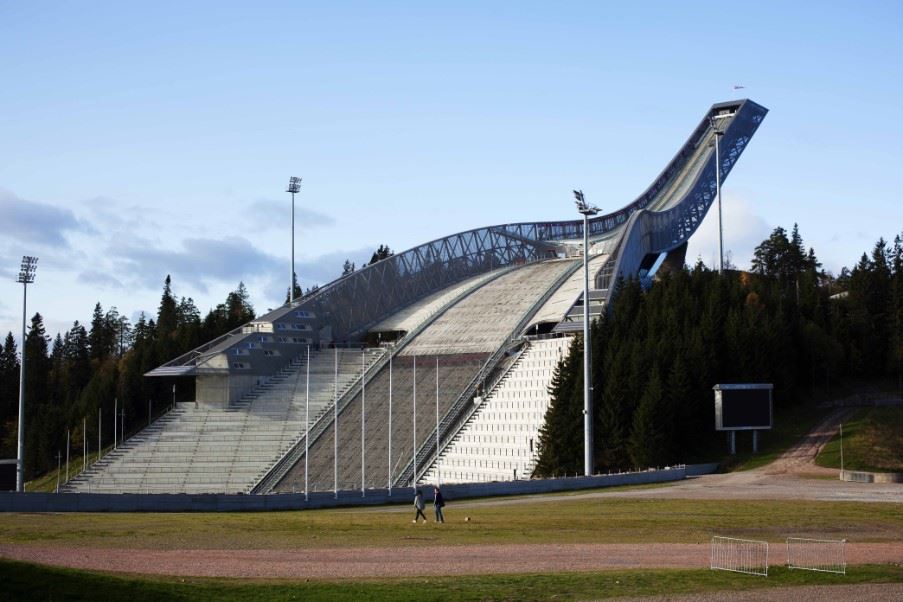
<point>467,329</point>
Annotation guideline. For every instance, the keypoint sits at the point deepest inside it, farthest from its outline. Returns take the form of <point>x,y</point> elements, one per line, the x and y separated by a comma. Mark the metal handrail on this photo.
<point>458,411</point>
<point>296,451</point>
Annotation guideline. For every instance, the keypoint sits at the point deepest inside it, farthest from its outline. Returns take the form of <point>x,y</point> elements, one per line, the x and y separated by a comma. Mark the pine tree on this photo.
<point>98,337</point>
<point>40,417</point>
<point>895,313</point>
<point>9,396</point>
<point>647,445</point>
<point>167,323</point>
<point>296,286</point>
<point>238,306</point>
<point>383,252</point>
<point>167,314</point>
<point>9,370</point>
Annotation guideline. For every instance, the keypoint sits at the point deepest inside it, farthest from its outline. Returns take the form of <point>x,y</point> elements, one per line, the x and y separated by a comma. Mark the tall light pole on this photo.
<point>26,277</point>
<point>586,210</point>
<point>294,185</point>
<point>718,134</point>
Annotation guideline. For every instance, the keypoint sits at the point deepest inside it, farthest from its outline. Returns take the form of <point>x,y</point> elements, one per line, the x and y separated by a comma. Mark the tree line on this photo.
<point>657,353</point>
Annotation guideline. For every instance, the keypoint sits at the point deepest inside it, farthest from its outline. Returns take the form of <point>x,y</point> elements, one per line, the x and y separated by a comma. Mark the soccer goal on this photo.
<point>739,555</point>
<point>825,555</point>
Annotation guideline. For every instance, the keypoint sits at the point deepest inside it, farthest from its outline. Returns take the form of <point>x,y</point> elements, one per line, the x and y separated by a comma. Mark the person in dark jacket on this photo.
<point>418,504</point>
<point>438,503</point>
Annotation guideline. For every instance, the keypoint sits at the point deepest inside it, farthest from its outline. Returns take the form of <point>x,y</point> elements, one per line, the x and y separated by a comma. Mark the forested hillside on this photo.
<point>658,352</point>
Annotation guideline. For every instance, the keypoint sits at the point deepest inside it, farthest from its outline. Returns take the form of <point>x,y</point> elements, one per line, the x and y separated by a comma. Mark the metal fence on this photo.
<point>739,555</point>
<point>824,555</point>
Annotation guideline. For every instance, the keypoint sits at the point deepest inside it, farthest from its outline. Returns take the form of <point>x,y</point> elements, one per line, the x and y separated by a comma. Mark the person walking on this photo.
<point>418,504</point>
<point>438,503</point>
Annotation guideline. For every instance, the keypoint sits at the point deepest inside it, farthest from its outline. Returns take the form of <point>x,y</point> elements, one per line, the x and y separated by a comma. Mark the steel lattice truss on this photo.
<point>654,232</point>
<point>351,304</point>
<point>360,299</point>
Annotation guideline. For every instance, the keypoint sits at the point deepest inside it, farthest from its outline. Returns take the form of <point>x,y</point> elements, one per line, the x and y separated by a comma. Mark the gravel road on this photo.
<point>332,563</point>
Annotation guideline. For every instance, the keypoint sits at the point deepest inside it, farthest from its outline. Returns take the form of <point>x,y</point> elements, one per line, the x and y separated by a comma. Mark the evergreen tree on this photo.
<point>347,267</point>
<point>238,306</point>
<point>383,252</point>
<point>9,395</point>
<point>895,313</point>
<point>40,415</point>
<point>167,322</point>
<point>119,332</point>
<point>99,336</point>
<point>647,445</point>
<point>77,354</point>
<point>167,314</point>
<point>296,286</point>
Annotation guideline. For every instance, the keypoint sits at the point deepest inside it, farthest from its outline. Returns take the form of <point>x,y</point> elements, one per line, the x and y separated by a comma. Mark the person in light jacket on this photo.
<point>419,506</point>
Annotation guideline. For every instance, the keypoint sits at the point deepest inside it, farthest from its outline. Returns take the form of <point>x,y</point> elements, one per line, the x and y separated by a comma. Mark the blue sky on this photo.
<point>141,140</point>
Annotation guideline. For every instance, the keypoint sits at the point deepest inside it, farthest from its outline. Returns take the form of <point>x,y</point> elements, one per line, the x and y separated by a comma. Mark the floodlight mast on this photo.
<point>718,134</point>
<point>26,277</point>
<point>586,210</point>
<point>294,185</point>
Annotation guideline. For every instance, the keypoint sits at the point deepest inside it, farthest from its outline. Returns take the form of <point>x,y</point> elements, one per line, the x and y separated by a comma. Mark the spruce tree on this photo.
<point>646,444</point>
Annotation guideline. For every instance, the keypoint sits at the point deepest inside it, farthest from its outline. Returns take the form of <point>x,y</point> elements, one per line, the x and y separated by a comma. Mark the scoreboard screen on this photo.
<point>743,407</point>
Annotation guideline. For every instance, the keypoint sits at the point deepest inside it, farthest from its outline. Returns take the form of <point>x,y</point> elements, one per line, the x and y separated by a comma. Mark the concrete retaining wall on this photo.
<point>695,470</point>
<point>861,476</point>
<point>217,502</point>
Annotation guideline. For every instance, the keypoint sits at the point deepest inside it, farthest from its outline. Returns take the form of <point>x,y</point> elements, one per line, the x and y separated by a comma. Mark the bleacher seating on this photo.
<point>202,449</point>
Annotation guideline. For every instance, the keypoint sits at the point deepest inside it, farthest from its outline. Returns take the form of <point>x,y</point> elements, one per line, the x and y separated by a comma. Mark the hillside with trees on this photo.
<point>658,352</point>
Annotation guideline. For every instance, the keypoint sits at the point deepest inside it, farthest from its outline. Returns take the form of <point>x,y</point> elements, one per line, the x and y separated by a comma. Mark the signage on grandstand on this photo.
<point>743,407</point>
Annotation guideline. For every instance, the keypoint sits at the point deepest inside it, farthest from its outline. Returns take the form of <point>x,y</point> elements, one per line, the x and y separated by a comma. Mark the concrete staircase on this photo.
<point>212,450</point>
<point>500,440</point>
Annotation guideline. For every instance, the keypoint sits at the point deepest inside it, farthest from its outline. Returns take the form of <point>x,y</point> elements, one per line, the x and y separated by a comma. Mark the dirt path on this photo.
<point>399,562</point>
<point>800,459</point>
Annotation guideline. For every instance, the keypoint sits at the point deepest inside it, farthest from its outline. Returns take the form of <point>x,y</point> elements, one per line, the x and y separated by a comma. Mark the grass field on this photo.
<point>28,581</point>
<point>872,441</point>
<point>547,519</point>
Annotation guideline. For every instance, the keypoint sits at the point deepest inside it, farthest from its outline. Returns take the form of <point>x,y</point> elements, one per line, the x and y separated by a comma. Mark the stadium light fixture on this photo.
<point>26,277</point>
<point>586,210</point>
<point>294,186</point>
<point>718,134</point>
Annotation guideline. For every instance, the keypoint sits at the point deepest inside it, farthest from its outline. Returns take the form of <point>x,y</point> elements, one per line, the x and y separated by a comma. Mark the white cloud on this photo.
<point>268,214</point>
<point>38,223</point>
<point>199,261</point>
<point>743,231</point>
